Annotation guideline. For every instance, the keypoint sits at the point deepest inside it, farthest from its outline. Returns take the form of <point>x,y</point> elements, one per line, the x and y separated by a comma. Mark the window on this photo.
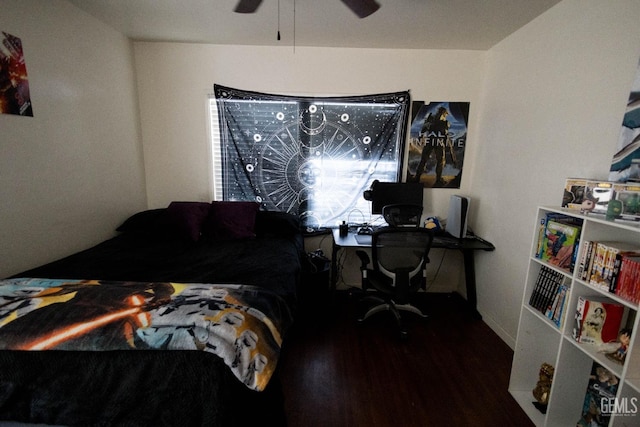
<point>308,156</point>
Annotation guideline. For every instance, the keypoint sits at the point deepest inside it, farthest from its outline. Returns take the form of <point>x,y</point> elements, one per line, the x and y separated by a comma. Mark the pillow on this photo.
<point>145,222</point>
<point>187,218</point>
<point>272,223</point>
<point>231,220</point>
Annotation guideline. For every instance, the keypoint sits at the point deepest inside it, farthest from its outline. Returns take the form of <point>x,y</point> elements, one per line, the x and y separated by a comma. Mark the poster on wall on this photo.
<point>14,84</point>
<point>625,165</point>
<point>437,141</point>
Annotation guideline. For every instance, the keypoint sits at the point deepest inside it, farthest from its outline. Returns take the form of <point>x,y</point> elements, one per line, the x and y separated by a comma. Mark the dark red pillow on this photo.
<point>187,218</point>
<point>231,220</point>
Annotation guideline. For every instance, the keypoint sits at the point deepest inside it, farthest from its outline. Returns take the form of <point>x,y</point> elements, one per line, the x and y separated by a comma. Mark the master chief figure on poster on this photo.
<point>434,136</point>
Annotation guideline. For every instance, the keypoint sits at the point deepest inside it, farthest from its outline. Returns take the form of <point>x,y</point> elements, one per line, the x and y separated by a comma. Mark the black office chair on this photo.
<point>402,215</point>
<point>399,257</point>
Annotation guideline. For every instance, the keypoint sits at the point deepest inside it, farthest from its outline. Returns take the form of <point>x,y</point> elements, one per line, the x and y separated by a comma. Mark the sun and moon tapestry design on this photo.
<point>310,156</point>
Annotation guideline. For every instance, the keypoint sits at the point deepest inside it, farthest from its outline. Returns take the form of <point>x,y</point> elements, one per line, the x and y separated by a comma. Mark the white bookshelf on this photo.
<point>539,340</point>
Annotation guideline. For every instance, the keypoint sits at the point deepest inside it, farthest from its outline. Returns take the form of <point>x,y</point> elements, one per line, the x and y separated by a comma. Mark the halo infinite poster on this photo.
<point>437,140</point>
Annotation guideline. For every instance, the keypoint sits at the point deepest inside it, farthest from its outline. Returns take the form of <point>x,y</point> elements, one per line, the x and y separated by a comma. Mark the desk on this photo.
<point>467,246</point>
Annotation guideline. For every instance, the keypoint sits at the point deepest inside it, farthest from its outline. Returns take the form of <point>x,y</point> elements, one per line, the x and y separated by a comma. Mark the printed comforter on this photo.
<point>243,325</point>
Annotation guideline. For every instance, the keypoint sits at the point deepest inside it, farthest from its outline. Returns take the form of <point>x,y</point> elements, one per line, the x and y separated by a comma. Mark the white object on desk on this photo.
<point>457,217</point>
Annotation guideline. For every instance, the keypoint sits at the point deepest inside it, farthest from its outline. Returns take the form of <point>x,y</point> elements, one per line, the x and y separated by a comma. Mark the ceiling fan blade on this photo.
<point>247,6</point>
<point>362,8</point>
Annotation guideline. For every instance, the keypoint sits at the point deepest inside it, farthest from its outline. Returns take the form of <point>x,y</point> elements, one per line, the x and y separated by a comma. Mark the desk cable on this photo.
<point>435,276</point>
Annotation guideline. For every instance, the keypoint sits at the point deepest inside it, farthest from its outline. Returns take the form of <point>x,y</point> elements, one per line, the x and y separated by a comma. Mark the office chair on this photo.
<point>402,215</point>
<point>398,269</point>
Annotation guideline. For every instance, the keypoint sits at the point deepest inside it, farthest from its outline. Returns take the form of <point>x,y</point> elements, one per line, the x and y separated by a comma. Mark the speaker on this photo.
<point>457,217</point>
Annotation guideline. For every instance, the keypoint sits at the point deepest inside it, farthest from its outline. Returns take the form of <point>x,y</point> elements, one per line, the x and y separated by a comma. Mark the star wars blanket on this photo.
<point>243,325</point>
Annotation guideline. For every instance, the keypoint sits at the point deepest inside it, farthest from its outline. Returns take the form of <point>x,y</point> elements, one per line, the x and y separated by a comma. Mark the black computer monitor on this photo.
<point>394,193</point>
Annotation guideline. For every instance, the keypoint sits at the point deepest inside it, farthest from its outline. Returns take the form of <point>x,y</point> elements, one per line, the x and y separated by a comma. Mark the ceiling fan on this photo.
<point>362,8</point>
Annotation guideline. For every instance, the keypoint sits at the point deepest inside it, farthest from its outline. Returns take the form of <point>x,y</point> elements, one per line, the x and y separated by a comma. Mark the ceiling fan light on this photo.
<point>247,6</point>
<point>362,8</point>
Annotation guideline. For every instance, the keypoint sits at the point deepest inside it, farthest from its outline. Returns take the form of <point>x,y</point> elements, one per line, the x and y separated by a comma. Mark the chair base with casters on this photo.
<point>384,305</point>
<point>396,271</point>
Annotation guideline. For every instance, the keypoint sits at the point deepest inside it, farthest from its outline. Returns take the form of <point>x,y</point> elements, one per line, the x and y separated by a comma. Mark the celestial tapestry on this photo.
<point>438,138</point>
<point>310,156</point>
<point>625,165</point>
<point>14,84</point>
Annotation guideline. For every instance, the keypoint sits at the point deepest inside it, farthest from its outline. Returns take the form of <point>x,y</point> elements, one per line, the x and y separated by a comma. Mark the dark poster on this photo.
<point>14,84</point>
<point>625,165</point>
<point>309,156</point>
<point>437,140</point>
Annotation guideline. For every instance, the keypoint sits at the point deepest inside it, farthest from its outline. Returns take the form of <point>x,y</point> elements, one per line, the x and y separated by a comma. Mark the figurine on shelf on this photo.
<point>543,387</point>
<point>588,204</point>
<point>624,337</point>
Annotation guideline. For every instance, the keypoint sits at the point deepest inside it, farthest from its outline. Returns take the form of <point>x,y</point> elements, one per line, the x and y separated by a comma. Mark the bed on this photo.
<point>177,320</point>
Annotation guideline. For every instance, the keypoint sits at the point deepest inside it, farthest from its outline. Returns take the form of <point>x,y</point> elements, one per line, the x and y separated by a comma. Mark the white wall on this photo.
<point>72,172</point>
<point>553,103</point>
<point>175,78</point>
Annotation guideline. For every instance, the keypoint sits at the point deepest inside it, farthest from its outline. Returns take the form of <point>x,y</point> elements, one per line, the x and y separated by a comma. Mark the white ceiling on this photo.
<point>411,24</point>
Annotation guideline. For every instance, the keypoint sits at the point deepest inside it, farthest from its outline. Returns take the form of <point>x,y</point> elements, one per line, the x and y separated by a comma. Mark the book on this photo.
<point>597,265</point>
<point>588,263</point>
<point>597,320</point>
<point>605,259</point>
<point>557,311</point>
<point>559,242</point>
<point>617,270</point>
<point>542,228</point>
<point>545,296</point>
<point>601,392</point>
<point>584,256</point>
<point>627,282</point>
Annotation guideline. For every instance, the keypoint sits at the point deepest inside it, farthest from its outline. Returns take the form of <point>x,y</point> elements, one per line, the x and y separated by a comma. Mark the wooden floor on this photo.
<point>451,371</point>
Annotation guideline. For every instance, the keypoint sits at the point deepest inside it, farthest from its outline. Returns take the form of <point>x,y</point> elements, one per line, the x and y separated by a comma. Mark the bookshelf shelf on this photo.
<point>542,340</point>
<point>592,352</point>
<point>613,297</point>
<point>524,399</point>
<point>634,384</point>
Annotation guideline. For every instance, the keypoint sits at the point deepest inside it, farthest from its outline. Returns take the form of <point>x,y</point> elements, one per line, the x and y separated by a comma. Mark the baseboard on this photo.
<point>495,327</point>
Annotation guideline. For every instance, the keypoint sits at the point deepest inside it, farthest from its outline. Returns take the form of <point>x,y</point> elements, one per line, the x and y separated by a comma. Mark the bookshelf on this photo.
<point>541,340</point>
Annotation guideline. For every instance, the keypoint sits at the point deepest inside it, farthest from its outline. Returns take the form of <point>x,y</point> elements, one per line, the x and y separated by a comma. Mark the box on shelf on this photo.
<point>614,199</point>
<point>597,320</point>
<point>601,193</point>
<point>626,202</point>
<point>574,193</point>
<point>587,195</point>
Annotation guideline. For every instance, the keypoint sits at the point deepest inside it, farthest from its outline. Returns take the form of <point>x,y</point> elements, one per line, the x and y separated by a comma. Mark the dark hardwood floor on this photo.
<point>451,371</point>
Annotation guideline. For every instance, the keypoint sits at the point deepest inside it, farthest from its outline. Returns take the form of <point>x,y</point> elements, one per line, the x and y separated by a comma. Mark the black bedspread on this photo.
<point>156,388</point>
<point>271,260</point>
<point>268,262</point>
